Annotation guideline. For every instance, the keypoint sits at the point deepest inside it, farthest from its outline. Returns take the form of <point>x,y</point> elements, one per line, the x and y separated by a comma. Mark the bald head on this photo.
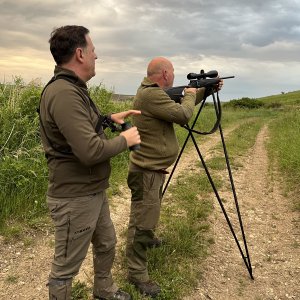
<point>157,65</point>
<point>160,70</point>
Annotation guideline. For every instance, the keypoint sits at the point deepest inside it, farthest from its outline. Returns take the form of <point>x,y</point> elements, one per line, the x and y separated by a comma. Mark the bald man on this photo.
<point>147,169</point>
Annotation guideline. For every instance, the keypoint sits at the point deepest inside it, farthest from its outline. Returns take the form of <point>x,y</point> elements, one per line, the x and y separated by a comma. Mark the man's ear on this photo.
<point>165,74</point>
<point>79,54</point>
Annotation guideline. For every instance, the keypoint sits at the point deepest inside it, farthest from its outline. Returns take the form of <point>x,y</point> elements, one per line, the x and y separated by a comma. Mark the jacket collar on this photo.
<point>148,83</point>
<point>59,71</point>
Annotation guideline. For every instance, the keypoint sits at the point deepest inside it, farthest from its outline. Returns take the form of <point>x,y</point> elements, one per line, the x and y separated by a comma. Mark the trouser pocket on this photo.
<point>146,198</point>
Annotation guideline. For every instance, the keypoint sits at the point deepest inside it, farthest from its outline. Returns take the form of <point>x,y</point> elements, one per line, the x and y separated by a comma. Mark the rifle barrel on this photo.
<point>227,77</point>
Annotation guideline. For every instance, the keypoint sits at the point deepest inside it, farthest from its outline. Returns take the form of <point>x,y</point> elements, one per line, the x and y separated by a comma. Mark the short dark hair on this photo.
<point>64,41</point>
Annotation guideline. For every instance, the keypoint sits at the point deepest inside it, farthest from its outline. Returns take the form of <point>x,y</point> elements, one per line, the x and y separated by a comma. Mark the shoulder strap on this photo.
<point>63,151</point>
<point>101,118</point>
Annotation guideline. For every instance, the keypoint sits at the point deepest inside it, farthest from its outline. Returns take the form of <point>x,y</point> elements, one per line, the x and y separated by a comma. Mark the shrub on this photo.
<point>244,103</point>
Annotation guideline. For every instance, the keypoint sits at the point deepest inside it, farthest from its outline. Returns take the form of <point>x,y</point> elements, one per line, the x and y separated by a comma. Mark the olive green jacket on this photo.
<point>78,157</point>
<point>159,145</point>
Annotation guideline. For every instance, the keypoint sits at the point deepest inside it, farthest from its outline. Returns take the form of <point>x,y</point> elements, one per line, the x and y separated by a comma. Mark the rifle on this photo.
<point>196,81</point>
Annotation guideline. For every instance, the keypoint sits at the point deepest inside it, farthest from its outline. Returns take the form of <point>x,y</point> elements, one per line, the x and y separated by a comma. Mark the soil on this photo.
<point>270,224</point>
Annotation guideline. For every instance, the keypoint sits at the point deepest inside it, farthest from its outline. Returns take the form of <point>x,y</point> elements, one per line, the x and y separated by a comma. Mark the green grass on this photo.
<point>243,138</point>
<point>11,279</point>
<point>80,291</point>
<point>283,146</point>
<point>285,100</point>
<point>23,175</point>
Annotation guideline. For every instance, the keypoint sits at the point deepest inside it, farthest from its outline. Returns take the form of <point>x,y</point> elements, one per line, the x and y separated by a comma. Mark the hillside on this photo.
<point>290,98</point>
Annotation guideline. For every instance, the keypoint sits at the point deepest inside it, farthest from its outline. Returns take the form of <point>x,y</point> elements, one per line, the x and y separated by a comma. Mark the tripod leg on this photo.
<point>236,200</point>
<point>245,259</point>
<point>175,165</point>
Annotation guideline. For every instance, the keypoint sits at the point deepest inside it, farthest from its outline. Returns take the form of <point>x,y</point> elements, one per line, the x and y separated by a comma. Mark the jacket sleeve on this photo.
<point>159,105</point>
<point>200,95</point>
<point>73,118</point>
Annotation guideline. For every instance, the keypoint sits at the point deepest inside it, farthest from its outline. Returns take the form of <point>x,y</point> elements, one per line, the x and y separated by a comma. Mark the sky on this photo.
<point>256,41</point>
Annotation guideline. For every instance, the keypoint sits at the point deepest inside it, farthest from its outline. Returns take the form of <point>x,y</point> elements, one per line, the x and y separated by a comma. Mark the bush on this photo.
<point>244,103</point>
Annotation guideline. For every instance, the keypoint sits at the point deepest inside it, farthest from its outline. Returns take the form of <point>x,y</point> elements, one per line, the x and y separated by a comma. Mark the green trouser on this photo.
<point>78,222</point>
<point>146,190</point>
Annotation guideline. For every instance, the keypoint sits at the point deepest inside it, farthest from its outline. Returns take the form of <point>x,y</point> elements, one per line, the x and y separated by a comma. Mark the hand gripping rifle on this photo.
<point>176,93</point>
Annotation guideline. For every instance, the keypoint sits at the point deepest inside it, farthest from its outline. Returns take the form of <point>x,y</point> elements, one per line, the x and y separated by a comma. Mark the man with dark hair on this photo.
<point>147,169</point>
<point>78,157</point>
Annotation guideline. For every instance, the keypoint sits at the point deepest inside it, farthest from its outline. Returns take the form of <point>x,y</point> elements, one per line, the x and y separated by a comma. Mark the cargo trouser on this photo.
<point>146,190</point>
<point>78,222</point>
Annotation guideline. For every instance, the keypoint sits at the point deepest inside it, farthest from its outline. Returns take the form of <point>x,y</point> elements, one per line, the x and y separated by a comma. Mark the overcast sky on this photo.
<point>256,41</point>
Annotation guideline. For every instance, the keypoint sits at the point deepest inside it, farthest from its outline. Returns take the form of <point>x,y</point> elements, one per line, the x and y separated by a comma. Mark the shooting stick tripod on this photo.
<point>217,105</point>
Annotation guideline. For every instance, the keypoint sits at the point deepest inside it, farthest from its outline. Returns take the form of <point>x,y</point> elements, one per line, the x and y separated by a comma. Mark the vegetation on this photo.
<point>23,176</point>
<point>244,103</point>
<point>284,146</point>
<point>184,225</point>
<point>23,173</point>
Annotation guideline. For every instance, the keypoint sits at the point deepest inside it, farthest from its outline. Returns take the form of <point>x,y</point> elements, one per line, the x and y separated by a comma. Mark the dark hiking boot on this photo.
<point>147,288</point>
<point>119,295</point>
<point>155,243</point>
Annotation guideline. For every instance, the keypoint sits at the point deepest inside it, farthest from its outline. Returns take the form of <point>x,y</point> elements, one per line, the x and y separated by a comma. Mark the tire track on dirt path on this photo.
<point>271,234</point>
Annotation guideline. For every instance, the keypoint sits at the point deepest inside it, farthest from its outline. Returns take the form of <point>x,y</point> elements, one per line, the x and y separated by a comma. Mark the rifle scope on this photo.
<point>202,75</point>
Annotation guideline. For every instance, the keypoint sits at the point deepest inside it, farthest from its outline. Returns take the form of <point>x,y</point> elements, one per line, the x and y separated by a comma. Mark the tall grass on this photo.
<point>23,173</point>
<point>23,167</point>
<point>284,146</point>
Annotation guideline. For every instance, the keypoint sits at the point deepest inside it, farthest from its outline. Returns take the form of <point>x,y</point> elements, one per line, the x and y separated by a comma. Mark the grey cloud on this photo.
<point>202,27</point>
<point>29,9</point>
<point>136,27</point>
<point>23,24</point>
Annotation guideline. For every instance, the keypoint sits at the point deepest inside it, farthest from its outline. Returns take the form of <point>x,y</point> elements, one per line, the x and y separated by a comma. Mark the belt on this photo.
<point>134,168</point>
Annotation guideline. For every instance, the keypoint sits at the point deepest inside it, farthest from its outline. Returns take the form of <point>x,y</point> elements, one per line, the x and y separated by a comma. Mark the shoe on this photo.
<point>155,243</point>
<point>119,295</point>
<point>147,288</point>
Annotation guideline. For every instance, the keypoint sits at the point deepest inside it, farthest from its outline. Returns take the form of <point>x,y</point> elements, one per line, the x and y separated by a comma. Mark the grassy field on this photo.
<point>23,174</point>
